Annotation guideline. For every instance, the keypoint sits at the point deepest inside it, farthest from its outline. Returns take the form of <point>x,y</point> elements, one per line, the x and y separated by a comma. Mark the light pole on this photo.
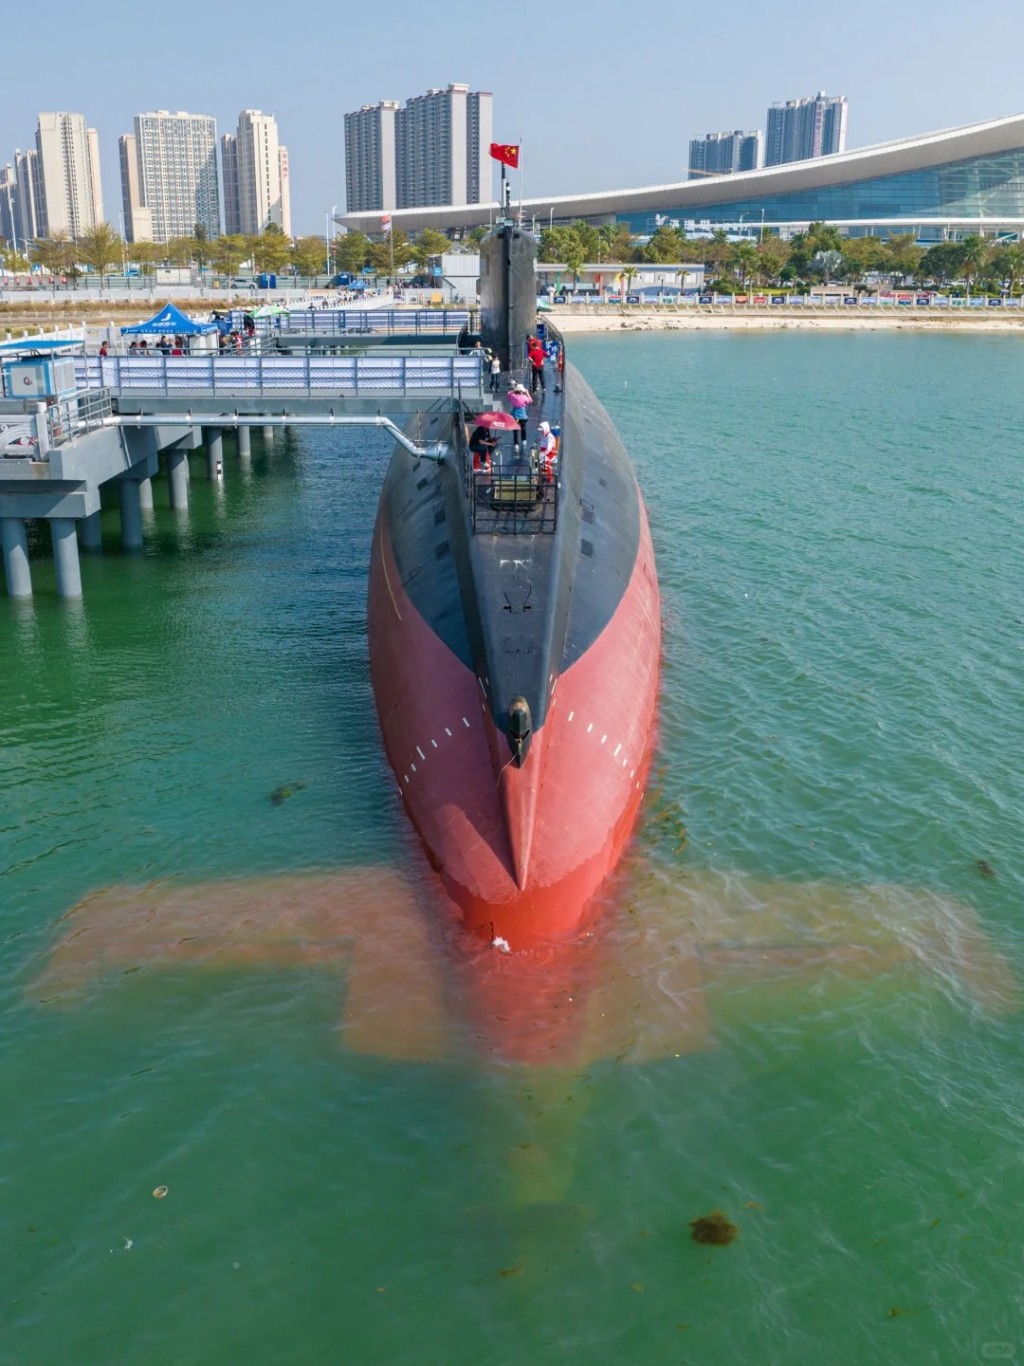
<point>330,219</point>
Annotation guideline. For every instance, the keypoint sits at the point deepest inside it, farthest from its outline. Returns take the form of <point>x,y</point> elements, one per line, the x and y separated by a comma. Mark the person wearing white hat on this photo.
<point>547,452</point>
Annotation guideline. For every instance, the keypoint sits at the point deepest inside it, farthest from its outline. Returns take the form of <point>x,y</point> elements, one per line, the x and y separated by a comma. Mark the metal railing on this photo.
<point>385,322</point>
<point>309,376</point>
<point>73,417</point>
<point>517,503</point>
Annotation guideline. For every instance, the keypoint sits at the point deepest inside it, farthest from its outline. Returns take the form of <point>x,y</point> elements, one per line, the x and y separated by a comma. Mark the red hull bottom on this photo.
<point>521,851</point>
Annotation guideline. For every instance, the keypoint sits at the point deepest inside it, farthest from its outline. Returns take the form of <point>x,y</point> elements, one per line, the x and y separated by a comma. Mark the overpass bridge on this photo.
<point>129,419</point>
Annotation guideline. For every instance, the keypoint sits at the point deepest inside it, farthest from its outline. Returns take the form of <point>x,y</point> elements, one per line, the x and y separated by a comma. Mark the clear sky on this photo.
<point>601,97</point>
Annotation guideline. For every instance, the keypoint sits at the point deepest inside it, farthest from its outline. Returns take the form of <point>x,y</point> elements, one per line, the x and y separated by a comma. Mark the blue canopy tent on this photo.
<point>173,322</point>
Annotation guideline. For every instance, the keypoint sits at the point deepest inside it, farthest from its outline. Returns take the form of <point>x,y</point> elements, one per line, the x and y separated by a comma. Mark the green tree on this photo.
<point>228,252</point>
<point>773,257</point>
<point>745,260</point>
<point>200,245</point>
<point>271,251</point>
<point>557,244</point>
<point>476,235</point>
<point>863,255</point>
<point>904,255</point>
<point>616,242</point>
<point>1008,263</point>
<point>179,251</point>
<point>664,244</point>
<point>56,254</point>
<point>942,263</point>
<point>100,248</point>
<point>428,244</point>
<point>148,255</point>
<point>309,255</point>
<point>589,239</point>
<point>391,250</point>
<point>717,251</point>
<point>975,257</point>
<point>352,251</point>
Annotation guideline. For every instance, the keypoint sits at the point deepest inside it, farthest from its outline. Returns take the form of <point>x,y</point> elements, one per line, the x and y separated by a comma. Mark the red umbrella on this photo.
<point>502,421</point>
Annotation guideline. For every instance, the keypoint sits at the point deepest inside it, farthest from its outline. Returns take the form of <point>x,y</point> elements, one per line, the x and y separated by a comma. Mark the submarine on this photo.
<point>514,631</point>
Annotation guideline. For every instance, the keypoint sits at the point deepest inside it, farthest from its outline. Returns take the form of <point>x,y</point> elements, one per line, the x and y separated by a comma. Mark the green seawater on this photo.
<point>839,530</point>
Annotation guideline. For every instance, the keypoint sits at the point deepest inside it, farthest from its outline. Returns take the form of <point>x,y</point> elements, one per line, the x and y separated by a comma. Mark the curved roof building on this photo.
<point>970,177</point>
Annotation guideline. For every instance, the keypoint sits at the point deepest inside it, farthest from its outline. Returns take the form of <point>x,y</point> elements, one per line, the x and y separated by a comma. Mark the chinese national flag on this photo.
<point>506,152</point>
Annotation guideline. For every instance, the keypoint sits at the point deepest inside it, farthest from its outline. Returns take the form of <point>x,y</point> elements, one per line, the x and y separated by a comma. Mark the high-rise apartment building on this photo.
<point>26,172</point>
<point>435,150</point>
<point>801,129</point>
<point>229,179</point>
<point>177,168</point>
<point>137,220</point>
<point>724,153</point>
<point>370,157</point>
<point>70,194</point>
<point>256,194</point>
<point>442,143</point>
<point>9,206</point>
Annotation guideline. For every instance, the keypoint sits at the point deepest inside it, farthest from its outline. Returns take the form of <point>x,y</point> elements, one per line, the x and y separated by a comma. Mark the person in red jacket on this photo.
<point>535,355</point>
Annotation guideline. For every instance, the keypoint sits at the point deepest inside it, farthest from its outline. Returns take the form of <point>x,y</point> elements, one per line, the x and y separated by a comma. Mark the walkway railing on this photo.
<point>311,376</point>
<point>73,417</point>
<point>385,322</point>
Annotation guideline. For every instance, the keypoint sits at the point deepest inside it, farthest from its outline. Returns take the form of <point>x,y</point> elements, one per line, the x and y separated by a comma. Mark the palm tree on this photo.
<point>975,254</point>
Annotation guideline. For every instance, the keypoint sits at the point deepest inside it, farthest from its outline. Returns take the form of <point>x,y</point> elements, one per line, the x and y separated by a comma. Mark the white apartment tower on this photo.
<point>138,221</point>
<point>370,157</point>
<point>177,167</point>
<point>253,168</point>
<point>26,173</point>
<point>70,194</point>
<point>442,145</point>
<point>434,151</point>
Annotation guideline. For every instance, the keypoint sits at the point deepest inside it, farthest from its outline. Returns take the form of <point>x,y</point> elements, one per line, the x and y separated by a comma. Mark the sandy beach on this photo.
<point>570,320</point>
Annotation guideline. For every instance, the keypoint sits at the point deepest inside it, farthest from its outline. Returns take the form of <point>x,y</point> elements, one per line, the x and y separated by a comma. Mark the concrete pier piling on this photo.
<point>65,557</point>
<point>177,477</point>
<point>268,435</point>
<point>90,533</point>
<point>244,442</point>
<point>146,495</point>
<point>213,440</point>
<point>14,540</point>
<point>131,514</point>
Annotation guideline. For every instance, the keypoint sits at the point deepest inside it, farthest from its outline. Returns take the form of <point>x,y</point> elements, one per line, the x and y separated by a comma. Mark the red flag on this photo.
<point>506,152</point>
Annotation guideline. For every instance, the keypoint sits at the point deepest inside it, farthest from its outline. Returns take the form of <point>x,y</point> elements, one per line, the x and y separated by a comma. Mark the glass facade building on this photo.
<point>980,187</point>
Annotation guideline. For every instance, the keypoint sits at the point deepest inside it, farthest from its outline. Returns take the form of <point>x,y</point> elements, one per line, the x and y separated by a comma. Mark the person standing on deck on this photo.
<point>535,354</point>
<point>519,404</point>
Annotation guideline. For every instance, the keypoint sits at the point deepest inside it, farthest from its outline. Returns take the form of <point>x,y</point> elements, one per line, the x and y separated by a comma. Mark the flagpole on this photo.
<point>520,159</point>
<point>502,213</point>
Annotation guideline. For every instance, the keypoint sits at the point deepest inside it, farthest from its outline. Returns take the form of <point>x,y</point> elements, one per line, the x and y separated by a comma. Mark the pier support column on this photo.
<point>90,533</point>
<point>245,442</point>
<point>131,514</point>
<point>268,434</point>
<point>65,557</point>
<point>146,495</point>
<point>177,477</point>
<point>213,440</point>
<point>16,567</point>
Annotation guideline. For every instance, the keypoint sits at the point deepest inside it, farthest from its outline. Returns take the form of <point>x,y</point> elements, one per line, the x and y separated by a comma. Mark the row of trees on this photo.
<point>103,251</point>
<point>819,255</point>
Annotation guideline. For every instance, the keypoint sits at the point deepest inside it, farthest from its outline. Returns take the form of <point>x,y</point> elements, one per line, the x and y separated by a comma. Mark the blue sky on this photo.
<point>599,102</point>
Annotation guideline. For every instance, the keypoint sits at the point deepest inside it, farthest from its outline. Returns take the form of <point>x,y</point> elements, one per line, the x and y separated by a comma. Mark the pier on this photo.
<point>109,426</point>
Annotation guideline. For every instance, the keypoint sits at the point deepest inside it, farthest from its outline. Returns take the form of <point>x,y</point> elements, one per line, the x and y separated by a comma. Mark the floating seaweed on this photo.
<point>985,868</point>
<point>282,793</point>
<point>713,1229</point>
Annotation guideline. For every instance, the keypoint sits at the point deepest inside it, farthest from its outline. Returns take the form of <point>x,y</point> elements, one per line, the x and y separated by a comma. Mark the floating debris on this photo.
<point>160,1192</point>
<point>985,868</point>
<point>282,793</point>
<point>714,1229</point>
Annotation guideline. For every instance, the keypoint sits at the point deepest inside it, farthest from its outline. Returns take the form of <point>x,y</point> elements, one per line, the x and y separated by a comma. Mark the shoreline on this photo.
<point>761,320</point>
